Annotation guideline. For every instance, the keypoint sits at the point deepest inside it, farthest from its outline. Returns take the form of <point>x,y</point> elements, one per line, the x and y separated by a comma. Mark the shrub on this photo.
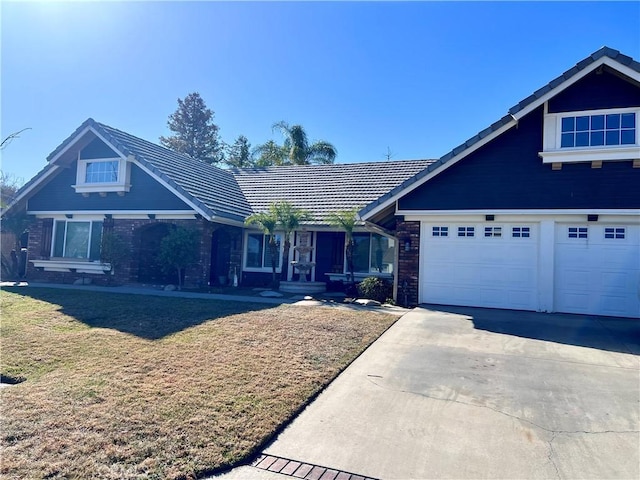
<point>375,288</point>
<point>178,250</point>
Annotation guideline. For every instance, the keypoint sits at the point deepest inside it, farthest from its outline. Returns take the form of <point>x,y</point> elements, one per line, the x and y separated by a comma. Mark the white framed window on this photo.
<point>617,233</point>
<point>258,253</point>
<point>466,231</point>
<point>440,231</point>
<point>598,130</point>
<point>520,232</point>
<point>77,239</point>
<point>101,171</point>
<point>102,175</point>
<point>495,232</point>
<point>592,135</point>
<point>372,253</point>
<point>578,232</point>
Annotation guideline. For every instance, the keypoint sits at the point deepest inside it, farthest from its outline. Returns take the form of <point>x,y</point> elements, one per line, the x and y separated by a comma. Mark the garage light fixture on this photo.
<point>489,218</point>
<point>592,218</point>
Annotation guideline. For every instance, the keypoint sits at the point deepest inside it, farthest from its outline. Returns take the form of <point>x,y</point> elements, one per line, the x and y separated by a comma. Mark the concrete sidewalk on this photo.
<point>474,393</point>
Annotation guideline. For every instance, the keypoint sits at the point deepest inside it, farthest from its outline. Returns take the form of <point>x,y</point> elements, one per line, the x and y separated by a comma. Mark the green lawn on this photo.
<point>125,386</point>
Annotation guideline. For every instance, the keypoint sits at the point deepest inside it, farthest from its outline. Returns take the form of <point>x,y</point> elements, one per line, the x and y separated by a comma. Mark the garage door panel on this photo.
<point>472,270</point>
<point>597,275</point>
<point>614,281</point>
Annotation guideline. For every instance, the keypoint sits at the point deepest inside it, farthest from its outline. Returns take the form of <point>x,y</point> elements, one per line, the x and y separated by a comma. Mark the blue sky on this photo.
<point>417,78</point>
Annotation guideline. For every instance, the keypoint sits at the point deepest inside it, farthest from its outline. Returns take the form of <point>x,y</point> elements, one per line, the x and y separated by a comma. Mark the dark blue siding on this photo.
<point>596,91</point>
<point>146,194</point>
<point>97,149</point>
<point>507,173</point>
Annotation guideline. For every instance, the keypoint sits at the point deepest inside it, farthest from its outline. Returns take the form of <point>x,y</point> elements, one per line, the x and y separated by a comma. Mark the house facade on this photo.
<point>103,181</point>
<point>540,211</point>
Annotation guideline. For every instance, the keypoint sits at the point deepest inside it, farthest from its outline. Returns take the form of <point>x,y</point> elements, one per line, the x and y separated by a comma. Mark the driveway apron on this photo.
<point>478,393</point>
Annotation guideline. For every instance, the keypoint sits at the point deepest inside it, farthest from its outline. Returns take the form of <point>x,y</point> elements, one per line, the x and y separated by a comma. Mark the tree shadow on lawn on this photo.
<point>144,316</point>
<point>613,334</point>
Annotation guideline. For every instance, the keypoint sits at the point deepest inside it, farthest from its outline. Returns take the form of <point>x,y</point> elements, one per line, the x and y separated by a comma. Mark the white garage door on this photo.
<point>597,269</point>
<point>479,264</point>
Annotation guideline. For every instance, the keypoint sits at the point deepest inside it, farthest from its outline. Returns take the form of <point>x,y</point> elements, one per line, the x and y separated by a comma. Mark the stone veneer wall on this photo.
<point>196,275</point>
<point>408,263</point>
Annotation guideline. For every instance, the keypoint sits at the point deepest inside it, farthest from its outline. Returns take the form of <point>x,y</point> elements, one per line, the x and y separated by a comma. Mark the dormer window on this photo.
<point>591,136</point>
<point>101,171</point>
<point>102,175</point>
<point>598,130</point>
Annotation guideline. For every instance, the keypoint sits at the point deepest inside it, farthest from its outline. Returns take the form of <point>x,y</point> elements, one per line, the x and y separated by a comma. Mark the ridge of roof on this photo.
<point>507,119</point>
<point>283,169</point>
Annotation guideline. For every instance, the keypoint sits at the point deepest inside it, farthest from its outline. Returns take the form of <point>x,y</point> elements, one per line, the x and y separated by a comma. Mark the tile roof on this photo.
<point>236,194</point>
<point>209,186</point>
<point>321,189</point>
<point>507,119</point>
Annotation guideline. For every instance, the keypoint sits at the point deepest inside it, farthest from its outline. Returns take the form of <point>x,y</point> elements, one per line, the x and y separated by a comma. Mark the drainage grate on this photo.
<point>306,471</point>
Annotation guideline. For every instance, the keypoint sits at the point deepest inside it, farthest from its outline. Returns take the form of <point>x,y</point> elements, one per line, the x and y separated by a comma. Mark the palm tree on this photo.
<point>346,220</point>
<point>299,152</point>
<point>289,219</point>
<point>296,149</point>
<point>268,221</point>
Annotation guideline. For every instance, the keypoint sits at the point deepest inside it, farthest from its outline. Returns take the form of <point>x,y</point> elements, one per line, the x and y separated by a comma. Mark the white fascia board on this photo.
<point>131,214</point>
<point>451,162</point>
<point>578,76</point>
<point>372,227</point>
<point>566,211</point>
<point>627,216</point>
<point>226,221</point>
<point>186,200</point>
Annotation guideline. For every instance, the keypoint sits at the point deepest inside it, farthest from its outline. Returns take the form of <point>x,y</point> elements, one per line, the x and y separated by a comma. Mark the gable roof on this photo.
<point>604,56</point>
<point>204,184</point>
<point>212,191</point>
<point>322,189</point>
<point>218,194</point>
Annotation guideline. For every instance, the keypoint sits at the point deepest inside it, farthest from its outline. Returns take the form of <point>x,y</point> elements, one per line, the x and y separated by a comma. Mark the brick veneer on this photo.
<point>196,275</point>
<point>408,263</point>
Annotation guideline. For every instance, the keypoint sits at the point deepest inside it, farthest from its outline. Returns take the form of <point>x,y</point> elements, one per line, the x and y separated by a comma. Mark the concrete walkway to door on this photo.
<point>474,393</point>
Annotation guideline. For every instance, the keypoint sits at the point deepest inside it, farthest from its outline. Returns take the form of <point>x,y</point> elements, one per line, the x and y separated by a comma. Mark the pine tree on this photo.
<point>239,154</point>
<point>195,134</point>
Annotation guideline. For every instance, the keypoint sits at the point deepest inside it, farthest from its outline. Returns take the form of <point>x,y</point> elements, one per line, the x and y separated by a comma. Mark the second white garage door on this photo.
<point>479,265</point>
<point>597,269</point>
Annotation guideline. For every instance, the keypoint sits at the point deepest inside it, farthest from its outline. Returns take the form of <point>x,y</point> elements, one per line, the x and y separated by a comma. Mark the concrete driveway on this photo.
<point>475,393</point>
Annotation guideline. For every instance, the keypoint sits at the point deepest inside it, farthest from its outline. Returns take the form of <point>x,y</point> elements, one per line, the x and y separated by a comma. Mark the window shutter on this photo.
<point>96,240</point>
<point>47,235</point>
<point>58,241</point>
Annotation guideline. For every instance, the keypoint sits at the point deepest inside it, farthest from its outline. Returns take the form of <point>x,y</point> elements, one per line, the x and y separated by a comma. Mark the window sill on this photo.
<point>77,266</point>
<point>574,155</point>
<point>337,277</point>
<point>260,270</point>
<point>120,188</point>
